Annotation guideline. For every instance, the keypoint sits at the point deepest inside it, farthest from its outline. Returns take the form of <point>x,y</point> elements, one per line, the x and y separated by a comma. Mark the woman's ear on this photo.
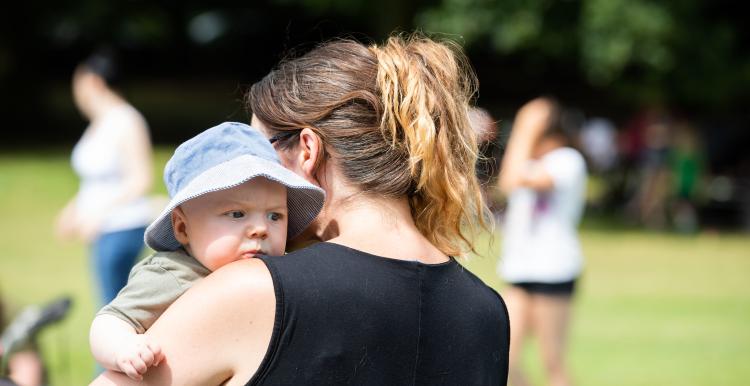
<point>179,226</point>
<point>311,154</point>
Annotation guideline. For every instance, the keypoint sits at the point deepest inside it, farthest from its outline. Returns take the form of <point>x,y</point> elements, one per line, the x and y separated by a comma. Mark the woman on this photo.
<point>545,182</point>
<point>384,131</point>
<point>113,160</point>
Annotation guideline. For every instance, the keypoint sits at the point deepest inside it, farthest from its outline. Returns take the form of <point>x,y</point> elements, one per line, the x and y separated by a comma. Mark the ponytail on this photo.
<point>426,88</point>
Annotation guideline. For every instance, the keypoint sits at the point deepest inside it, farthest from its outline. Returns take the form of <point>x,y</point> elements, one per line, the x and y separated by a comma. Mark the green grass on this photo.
<point>657,309</point>
<point>35,267</point>
<point>653,308</point>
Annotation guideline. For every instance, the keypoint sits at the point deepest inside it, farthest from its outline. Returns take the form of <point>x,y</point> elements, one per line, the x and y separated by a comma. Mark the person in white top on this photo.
<point>113,160</point>
<point>544,182</point>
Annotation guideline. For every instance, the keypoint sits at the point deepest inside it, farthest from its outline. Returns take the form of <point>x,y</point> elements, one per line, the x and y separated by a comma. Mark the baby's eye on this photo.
<point>274,216</point>
<point>235,214</point>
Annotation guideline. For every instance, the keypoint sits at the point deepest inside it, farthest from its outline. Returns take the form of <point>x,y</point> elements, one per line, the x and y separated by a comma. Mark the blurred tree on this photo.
<point>684,51</point>
<point>380,18</point>
<point>599,53</point>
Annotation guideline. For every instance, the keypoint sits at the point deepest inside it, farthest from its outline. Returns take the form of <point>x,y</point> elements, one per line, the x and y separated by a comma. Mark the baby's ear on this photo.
<point>179,226</point>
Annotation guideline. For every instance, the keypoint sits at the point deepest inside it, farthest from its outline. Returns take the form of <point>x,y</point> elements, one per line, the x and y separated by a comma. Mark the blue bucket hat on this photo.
<point>223,157</point>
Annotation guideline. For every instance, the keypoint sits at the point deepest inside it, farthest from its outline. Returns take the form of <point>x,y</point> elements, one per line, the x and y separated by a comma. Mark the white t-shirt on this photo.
<point>98,160</point>
<point>540,240</point>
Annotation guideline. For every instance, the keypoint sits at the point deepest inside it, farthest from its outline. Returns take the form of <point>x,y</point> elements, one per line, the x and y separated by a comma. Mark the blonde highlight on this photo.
<point>426,89</point>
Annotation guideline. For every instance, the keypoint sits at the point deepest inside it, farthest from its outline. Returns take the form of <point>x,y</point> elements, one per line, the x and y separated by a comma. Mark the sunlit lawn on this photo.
<point>653,309</point>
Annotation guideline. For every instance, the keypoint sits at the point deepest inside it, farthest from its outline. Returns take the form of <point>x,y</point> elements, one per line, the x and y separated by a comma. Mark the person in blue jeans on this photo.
<point>113,161</point>
<point>114,254</point>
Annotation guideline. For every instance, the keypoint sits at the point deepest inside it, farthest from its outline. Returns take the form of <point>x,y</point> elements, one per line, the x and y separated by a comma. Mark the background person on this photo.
<point>25,367</point>
<point>485,128</point>
<point>113,161</point>
<point>687,168</point>
<point>384,131</point>
<point>544,181</point>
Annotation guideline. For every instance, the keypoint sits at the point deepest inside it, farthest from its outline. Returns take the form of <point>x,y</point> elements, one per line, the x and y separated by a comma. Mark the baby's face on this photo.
<point>237,223</point>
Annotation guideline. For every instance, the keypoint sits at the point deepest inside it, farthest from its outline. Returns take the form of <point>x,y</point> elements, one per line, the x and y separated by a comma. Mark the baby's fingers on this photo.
<point>139,365</point>
<point>146,356</point>
<point>131,371</point>
<point>156,351</point>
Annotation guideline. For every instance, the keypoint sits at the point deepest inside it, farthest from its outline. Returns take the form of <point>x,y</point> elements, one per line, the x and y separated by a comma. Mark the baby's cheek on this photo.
<point>222,251</point>
<point>277,249</point>
<point>278,243</point>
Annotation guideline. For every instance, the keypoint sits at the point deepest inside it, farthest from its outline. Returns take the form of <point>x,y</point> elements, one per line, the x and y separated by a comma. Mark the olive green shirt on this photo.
<point>154,283</point>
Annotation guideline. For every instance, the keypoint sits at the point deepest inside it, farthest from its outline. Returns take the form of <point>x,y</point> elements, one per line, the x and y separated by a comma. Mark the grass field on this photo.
<point>653,309</point>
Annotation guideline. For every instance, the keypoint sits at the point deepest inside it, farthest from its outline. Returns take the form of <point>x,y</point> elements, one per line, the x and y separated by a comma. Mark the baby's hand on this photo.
<point>137,357</point>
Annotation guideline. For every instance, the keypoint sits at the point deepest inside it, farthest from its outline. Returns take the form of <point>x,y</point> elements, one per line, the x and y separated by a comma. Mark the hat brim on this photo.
<point>304,200</point>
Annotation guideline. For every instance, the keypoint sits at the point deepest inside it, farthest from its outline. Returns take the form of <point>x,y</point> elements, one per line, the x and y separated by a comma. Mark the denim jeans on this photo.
<point>114,254</point>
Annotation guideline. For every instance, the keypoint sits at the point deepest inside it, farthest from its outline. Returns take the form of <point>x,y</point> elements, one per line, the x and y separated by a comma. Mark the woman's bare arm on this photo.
<point>216,333</point>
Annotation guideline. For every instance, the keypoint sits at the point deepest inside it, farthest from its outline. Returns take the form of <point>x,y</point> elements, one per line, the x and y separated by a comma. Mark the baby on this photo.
<point>230,199</point>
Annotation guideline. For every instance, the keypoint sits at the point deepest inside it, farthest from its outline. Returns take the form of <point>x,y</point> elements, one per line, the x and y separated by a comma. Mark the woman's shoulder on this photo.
<point>485,303</point>
<point>333,256</point>
<point>565,153</point>
<point>311,254</point>
<point>479,287</point>
<point>124,111</point>
<point>237,285</point>
<point>123,120</point>
<point>564,162</point>
<point>248,275</point>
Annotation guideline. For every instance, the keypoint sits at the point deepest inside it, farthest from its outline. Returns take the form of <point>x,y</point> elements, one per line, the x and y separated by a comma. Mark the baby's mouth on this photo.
<point>251,253</point>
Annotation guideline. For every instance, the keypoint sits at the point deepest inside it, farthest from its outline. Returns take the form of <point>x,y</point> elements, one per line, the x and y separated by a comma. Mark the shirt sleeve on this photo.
<point>565,166</point>
<point>150,290</point>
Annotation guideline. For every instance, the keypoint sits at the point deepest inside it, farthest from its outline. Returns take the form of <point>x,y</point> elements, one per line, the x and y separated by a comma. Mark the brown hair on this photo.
<point>394,118</point>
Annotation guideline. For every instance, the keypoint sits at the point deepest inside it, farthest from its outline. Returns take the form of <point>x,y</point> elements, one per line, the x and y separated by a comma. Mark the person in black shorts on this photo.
<point>544,180</point>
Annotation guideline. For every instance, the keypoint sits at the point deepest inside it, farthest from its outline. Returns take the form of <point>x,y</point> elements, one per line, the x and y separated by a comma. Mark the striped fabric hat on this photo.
<point>223,157</point>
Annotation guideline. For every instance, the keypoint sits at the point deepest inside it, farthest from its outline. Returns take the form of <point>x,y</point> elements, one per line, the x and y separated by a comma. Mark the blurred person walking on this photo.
<point>647,145</point>
<point>598,138</point>
<point>544,181</point>
<point>598,143</point>
<point>687,164</point>
<point>113,160</point>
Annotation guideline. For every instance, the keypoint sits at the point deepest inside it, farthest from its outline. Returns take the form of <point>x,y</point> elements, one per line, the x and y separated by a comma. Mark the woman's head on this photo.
<point>102,63</point>
<point>93,77</point>
<point>393,121</point>
<point>555,134</point>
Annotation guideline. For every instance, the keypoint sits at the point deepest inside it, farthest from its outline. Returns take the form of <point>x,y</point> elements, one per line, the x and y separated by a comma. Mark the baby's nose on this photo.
<point>257,231</point>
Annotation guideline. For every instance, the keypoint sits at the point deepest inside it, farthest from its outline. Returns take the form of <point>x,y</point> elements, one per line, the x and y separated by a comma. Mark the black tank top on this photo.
<point>346,317</point>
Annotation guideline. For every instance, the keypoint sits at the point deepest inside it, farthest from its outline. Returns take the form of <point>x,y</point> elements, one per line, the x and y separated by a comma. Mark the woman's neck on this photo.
<point>377,225</point>
<point>546,145</point>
